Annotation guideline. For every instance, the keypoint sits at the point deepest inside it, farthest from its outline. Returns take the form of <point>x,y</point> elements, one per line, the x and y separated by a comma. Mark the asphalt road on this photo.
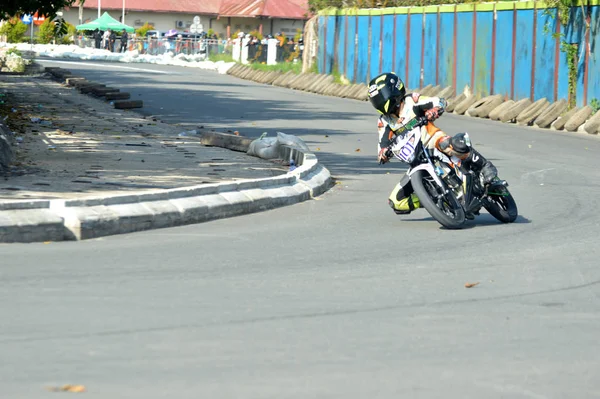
<point>332,298</point>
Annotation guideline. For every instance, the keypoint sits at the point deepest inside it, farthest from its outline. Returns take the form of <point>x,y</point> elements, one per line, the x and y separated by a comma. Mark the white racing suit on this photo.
<point>402,199</point>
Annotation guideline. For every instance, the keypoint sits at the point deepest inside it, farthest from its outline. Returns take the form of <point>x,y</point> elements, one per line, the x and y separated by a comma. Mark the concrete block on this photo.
<point>224,140</point>
<point>117,96</point>
<point>125,104</point>
<point>88,89</point>
<point>31,225</point>
<point>101,91</point>
<point>165,214</point>
<point>192,209</point>
<point>71,81</point>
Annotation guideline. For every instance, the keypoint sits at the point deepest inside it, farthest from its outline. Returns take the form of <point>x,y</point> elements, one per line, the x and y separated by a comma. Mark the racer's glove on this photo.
<point>383,156</point>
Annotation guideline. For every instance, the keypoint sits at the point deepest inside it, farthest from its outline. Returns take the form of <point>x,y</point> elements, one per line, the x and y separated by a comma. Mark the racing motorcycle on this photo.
<point>449,194</point>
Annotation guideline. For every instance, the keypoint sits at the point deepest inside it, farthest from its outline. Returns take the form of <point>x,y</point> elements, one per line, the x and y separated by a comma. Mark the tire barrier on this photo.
<point>447,92</point>
<point>559,124</point>
<point>578,118</point>
<point>512,112</point>
<point>533,111</point>
<point>425,91</point>
<point>541,113</point>
<point>592,126</point>
<point>454,101</point>
<point>496,112</point>
<point>435,90</point>
<point>550,114</point>
<point>361,93</point>
<point>464,105</point>
<point>483,107</point>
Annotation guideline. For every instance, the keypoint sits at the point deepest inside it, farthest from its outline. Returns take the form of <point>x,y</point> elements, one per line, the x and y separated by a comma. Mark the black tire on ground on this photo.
<point>455,221</point>
<point>502,207</point>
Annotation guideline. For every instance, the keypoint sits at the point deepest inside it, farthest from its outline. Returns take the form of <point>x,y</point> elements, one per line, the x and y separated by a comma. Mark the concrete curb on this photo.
<point>94,89</point>
<point>79,219</point>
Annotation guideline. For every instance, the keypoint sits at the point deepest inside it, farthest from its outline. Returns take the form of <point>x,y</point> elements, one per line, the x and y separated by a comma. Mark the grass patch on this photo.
<point>282,67</point>
<point>221,57</point>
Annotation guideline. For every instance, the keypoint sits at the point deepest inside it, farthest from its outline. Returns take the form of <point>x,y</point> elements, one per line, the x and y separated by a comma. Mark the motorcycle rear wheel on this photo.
<point>447,210</point>
<point>502,206</point>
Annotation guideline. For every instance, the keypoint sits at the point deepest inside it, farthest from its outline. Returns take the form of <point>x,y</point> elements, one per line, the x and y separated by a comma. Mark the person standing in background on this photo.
<point>124,38</point>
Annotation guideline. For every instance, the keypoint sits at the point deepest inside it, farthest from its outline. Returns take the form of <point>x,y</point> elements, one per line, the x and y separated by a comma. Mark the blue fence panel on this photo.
<point>503,57</point>
<point>331,28</point>
<point>374,66</point>
<point>446,63</point>
<point>387,46</point>
<point>362,49</point>
<point>545,55</point>
<point>464,58</point>
<point>594,66</point>
<point>351,49</point>
<point>413,80</point>
<point>523,61</point>
<point>321,52</point>
<point>483,53</point>
<point>430,47</point>
<point>340,40</point>
<point>400,64</point>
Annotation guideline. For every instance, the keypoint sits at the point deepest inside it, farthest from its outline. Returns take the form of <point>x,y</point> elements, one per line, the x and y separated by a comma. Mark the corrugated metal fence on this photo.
<point>509,48</point>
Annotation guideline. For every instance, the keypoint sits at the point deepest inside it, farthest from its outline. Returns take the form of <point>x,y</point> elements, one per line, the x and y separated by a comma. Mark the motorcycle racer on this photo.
<point>388,96</point>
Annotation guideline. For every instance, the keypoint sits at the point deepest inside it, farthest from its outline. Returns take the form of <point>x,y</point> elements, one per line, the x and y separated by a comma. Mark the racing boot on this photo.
<point>478,164</point>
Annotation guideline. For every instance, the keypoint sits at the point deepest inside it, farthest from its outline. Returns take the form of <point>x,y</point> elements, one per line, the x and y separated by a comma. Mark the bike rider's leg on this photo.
<point>460,146</point>
<point>402,198</point>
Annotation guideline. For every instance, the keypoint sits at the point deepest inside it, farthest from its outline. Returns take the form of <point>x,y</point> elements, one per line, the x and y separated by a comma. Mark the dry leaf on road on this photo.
<point>68,388</point>
<point>471,285</point>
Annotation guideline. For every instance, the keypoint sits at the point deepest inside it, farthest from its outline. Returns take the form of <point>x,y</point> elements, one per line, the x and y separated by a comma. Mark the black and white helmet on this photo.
<point>386,92</point>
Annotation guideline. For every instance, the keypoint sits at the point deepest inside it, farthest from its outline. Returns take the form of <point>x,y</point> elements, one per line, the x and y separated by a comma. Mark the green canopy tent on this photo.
<point>105,22</point>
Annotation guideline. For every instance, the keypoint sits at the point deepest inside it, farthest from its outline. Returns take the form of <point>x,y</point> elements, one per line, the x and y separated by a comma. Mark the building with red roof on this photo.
<point>224,17</point>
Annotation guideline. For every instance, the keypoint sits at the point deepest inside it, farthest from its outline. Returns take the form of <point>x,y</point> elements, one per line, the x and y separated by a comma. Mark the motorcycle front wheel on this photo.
<point>445,208</point>
<point>501,204</point>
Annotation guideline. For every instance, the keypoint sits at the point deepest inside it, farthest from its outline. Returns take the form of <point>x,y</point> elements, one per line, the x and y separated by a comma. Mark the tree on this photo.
<point>143,29</point>
<point>46,32</point>
<point>14,30</point>
<point>49,8</point>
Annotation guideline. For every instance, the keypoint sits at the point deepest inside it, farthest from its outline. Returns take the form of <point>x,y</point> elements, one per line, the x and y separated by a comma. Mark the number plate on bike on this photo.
<point>404,149</point>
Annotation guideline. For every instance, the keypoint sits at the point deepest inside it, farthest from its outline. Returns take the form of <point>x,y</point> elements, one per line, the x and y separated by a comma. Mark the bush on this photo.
<point>257,34</point>
<point>145,28</point>
<point>15,51</point>
<point>211,32</point>
<point>14,30</point>
<point>46,33</point>
<point>71,33</point>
